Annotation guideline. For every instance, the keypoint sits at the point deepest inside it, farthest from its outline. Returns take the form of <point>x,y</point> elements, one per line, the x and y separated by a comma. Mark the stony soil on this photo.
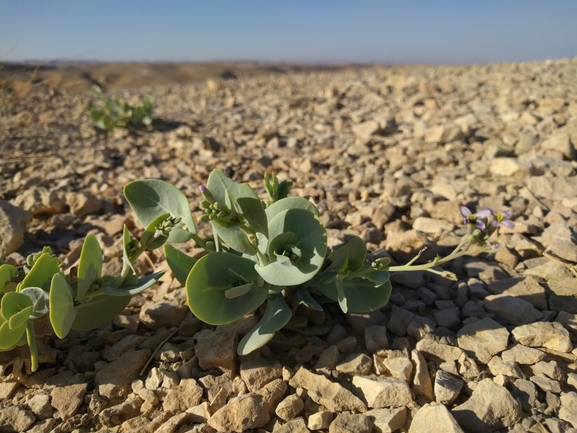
<point>388,154</point>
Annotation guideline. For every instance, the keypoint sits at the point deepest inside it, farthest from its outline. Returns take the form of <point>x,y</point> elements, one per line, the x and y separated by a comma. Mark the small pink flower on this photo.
<point>475,218</point>
<point>502,219</point>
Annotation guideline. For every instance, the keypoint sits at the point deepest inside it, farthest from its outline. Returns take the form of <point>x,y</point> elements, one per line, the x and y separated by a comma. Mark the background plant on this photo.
<point>110,113</point>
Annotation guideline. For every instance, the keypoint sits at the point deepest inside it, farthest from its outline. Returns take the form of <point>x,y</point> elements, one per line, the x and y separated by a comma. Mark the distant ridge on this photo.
<point>81,74</point>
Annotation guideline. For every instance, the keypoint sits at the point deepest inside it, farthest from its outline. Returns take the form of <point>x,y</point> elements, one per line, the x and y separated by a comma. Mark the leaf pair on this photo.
<point>352,283</point>
<point>152,199</point>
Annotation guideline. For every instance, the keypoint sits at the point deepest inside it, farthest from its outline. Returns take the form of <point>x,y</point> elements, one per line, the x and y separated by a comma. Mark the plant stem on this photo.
<point>457,252</point>
<point>200,242</point>
<point>31,339</point>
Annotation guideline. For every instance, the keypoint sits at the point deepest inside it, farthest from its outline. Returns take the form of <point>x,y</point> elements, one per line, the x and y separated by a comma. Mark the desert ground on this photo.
<point>388,153</point>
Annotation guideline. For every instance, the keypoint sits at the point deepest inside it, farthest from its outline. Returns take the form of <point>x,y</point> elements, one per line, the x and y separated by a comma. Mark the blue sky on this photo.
<point>385,31</point>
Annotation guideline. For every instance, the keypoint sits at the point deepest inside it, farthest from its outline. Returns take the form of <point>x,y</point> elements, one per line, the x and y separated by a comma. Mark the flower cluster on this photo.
<point>483,224</point>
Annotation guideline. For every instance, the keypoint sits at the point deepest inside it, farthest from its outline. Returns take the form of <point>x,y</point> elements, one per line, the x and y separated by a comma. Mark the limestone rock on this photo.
<point>381,392</point>
<point>422,381</point>
<point>258,373</point>
<point>216,349</point>
<point>13,220</point>
<point>522,355</point>
<point>483,338</point>
<point>527,289</point>
<point>491,407</point>
<point>40,406</point>
<point>434,415</point>
<point>290,407</point>
<point>240,414</point>
<point>560,142</point>
<point>515,310</point>
<point>67,399</point>
<point>568,410</point>
<point>16,419</point>
<point>511,169</point>
<point>444,134</point>
<point>351,423</point>
<point>294,426</point>
<point>438,351</point>
<point>81,205</point>
<point>387,420</point>
<point>356,364</point>
<point>447,387</point>
<point>551,335</point>
<point>366,129</point>
<point>322,391</point>
<point>376,338</point>
<point>320,420</point>
<point>186,395</point>
<point>114,379</point>
<point>39,200</point>
<point>167,314</point>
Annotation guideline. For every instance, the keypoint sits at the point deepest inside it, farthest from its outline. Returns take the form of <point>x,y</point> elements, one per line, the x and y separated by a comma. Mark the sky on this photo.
<point>310,31</point>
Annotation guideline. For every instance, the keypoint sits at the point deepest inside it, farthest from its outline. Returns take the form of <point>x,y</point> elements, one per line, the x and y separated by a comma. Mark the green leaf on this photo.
<point>238,291</point>
<point>253,211</point>
<point>310,245</point>
<point>151,198</point>
<point>90,266</point>
<point>41,273</point>
<point>216,273</point>
<point>180,263</point>
<point>10,337</point>
<point>40,301</point>
<point>302,296</point>
<point>126,241</point>
<point>62,311</point>
<point>235,238</point>
<point>96,90</point>
<point>98,311</point>
<point>341,296</point>
<point>360,294</point>
<point>284,189</point>
<point>379,277</point>
<point>150,232</point>
<point>20,319</point>
<point>141,285</point>
<point>276,315</point>
<point>350,256</point>
<point>7,274</point>
<point>290,203</point>
<point>242,198</point>
<point>14,302</point>
<point>96,115</point>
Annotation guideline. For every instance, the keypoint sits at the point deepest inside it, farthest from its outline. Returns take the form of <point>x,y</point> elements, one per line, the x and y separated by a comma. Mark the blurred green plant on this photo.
<point>111,113</point>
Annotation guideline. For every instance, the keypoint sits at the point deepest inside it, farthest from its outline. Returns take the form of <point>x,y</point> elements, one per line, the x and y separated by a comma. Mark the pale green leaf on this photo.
<point>151,198</point>
<point>41,273</point>
<point>141,285</point>
<point>180,263</point>
<point>62,310</point>
<point>216,273</point>
<point>40,301</point>
<point>7,274</point>
<point>276,315</point>
<point>90,266</point>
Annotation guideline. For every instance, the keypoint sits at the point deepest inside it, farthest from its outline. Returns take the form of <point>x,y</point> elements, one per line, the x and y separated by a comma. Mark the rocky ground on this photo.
<point>388,154</point>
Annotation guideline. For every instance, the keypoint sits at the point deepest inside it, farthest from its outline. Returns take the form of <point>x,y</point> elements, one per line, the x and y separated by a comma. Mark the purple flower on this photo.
<point>502,219</point>
<point>475,218</point>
